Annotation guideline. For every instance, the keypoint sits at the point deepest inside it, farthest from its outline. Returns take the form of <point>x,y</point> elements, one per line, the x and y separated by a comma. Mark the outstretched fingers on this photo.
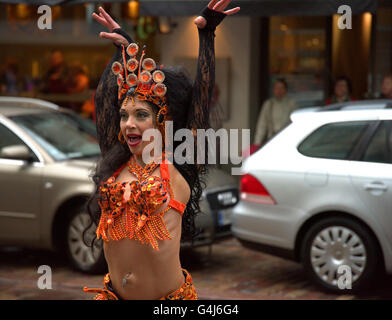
<point>232,11</point>
<point>106,35</point>
<point>115,38</point>
<point>212,4</point>
<point>113,24</point>
<point>221,5</point>
<point>101,20</point>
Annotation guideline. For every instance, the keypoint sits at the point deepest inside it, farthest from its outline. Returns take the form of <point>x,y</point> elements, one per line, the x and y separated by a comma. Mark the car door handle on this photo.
<point>376,186</point>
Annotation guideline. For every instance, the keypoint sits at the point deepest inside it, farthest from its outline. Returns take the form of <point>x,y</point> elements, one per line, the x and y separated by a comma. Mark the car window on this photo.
<point>60,135</point>
<point>334,140</point>
<point>8,138</point>
<point>379,148</point>
<point>86,124</point>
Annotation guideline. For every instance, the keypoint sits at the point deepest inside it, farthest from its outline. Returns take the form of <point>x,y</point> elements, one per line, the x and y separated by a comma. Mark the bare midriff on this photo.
<point>149,274</point>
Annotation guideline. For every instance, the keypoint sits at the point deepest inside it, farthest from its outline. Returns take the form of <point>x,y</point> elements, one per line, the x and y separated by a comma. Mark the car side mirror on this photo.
<point>17,152</point>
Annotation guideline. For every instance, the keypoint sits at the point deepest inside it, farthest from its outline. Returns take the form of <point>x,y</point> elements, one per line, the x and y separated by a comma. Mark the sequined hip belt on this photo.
<point>186,292</point>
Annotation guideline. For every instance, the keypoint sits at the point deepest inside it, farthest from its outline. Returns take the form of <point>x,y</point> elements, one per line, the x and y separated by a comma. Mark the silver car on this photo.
<point>46,156</point>
<point>320,192</point>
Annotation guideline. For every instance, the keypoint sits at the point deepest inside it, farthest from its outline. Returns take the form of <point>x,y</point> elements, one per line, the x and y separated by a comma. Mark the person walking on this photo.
<point>275,113</point>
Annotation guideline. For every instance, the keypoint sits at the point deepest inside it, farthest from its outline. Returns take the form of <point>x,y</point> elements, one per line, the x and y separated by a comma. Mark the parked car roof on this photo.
<point>364,109</point>
<point>11,106</point>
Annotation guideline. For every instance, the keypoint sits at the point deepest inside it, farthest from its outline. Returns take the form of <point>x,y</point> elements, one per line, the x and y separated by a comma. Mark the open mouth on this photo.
<point>134,139</point>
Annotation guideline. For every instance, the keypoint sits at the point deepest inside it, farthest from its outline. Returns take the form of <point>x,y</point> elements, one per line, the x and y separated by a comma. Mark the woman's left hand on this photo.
<point>216,5</point>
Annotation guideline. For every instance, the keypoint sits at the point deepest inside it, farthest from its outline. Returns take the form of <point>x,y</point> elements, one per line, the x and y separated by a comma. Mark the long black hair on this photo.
<point>179,99</point>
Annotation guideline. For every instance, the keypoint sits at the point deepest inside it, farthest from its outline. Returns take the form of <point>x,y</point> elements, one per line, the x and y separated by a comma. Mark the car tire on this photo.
<point>337,241</point>
<point>81,256</point>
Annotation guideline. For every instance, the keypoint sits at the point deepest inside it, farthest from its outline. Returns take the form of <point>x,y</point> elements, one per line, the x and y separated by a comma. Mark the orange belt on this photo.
<point>186,292</point>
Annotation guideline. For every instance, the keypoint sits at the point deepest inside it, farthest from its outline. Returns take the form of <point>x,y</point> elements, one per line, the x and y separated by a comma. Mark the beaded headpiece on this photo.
<point>146,85</point>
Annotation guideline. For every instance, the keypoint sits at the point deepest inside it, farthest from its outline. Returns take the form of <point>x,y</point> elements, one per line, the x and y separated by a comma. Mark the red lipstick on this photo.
<point>134,139</point>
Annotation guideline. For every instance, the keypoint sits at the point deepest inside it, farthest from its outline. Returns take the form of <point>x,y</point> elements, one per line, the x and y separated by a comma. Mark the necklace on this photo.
<point>141,172</point>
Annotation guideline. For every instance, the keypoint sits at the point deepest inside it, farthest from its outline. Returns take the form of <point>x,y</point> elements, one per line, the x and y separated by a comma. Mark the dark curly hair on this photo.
<point>179,99</point>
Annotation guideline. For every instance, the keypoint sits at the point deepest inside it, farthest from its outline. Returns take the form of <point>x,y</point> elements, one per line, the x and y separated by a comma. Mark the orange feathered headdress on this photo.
<point>147,84</point>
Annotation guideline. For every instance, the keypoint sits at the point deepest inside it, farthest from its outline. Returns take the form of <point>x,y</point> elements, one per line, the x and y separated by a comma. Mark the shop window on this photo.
<point>297,52</point>
<point>383,46</point>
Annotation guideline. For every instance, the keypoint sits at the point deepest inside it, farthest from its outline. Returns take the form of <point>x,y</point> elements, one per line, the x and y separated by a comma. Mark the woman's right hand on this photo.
<point>217,6</point>
<point>106,20</point>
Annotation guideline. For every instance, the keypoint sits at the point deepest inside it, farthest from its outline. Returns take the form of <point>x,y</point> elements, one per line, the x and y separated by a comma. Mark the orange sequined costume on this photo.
<point>125,78</point>
<point>133,218</point>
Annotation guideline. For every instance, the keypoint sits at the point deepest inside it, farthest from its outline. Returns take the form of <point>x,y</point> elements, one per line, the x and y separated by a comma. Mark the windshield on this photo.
<point>63,135</point>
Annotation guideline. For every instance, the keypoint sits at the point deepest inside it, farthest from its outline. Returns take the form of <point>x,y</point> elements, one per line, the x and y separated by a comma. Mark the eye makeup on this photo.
<point>140,113</point>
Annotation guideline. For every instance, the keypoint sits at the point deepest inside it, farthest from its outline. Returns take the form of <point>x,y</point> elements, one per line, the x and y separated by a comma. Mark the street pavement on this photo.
<point>229,271</point>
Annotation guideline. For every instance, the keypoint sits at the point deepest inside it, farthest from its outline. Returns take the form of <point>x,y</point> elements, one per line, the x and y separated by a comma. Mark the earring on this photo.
<point>161,116</point>
<point>121,137</point>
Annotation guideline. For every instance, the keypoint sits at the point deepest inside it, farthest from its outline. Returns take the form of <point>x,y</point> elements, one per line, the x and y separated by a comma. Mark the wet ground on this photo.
<point>230,272</point>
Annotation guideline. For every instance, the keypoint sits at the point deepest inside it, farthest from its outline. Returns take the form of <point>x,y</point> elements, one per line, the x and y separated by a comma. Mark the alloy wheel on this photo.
<point>336,246</point>
<point>83,255</point>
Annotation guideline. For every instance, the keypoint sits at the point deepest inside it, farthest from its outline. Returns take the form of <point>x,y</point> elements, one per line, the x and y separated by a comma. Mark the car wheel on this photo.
<point>340,255</point>
<point>83,257</point>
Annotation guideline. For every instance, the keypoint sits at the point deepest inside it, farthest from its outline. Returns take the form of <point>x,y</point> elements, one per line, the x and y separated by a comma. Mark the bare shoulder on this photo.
<point>179,185</point>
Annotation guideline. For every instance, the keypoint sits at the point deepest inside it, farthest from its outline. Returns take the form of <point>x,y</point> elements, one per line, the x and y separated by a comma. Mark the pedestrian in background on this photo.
<point>386,87</point>
<point>275,113</point>
<point>10,79</point>
<point>342,90</point>
<point>55,80</point>
<point>77,82</point>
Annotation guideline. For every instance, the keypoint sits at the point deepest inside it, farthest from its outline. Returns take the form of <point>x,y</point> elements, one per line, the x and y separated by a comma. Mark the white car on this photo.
<point>320,192</point>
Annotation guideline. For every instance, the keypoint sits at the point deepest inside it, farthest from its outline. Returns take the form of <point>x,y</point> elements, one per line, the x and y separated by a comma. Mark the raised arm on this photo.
<point>106,113</point>
<point>212,15</point>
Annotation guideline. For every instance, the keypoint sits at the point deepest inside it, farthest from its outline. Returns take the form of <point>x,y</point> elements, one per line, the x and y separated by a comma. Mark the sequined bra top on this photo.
<point>135,218</point>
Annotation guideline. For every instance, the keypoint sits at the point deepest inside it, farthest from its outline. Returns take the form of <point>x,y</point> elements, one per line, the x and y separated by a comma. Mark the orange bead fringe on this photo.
<point>133,218</point>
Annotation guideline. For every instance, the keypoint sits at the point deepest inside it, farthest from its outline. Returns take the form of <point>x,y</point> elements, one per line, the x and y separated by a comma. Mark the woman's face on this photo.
<point>135,117</point>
